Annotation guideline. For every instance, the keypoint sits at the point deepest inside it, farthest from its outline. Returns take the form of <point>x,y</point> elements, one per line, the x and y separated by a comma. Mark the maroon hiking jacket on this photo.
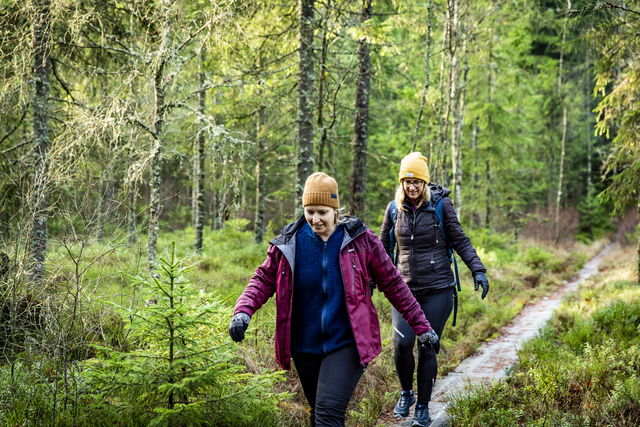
<point>362,260</point>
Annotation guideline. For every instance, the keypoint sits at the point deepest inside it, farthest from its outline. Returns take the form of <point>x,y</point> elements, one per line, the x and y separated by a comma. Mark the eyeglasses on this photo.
<point>415,183</point>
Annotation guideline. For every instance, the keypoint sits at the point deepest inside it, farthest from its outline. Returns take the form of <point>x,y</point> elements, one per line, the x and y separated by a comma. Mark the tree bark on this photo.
<point>155,206</point>
<point>427,75</point>
<point>490,87</point>
<point>199,154</point>
<point>322,85</point>
<point>563,142</point>
<point>456,137</point>
<point>260,177</point>
<point>305,99</point>
<point>444,111</point>
<point>132,215</point>
<point>41,73</point>
<point>361,126</point>
<point>104,208</point>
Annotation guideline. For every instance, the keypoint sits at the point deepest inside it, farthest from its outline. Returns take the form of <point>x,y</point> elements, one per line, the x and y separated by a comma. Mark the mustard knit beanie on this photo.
<point>414,165</point>
<point>320,189</point>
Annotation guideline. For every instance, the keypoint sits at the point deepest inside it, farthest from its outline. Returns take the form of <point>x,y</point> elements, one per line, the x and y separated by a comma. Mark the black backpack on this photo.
<point>439,215</point>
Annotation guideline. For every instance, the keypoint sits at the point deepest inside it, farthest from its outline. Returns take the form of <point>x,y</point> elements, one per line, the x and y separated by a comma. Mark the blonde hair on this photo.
<point>401,196</point>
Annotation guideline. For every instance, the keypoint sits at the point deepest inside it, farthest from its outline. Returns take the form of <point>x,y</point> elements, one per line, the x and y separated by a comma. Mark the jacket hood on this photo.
<point>352,225</point>
<point>438,192</point>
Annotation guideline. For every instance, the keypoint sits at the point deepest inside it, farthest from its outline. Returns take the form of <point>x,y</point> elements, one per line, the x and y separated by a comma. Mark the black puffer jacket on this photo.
<point>422,258</point>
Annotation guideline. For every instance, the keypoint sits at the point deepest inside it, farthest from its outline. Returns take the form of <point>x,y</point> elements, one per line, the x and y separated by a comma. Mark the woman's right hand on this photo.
<point>237,327</point>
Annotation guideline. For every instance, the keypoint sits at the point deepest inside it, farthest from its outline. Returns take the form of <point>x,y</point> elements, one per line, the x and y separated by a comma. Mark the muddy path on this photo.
<point>493,358</point>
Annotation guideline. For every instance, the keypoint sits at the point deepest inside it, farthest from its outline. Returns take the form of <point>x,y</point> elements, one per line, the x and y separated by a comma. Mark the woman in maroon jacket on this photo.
<point>423,260</point>
<point>320,267</point>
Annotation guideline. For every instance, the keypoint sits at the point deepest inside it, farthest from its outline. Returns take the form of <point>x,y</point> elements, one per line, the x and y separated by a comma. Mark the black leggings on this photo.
<point>437,308</point>
<point>328,382</point>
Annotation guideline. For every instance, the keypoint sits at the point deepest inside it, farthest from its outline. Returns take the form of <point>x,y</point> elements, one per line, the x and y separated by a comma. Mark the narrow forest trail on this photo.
<point>493,358</point>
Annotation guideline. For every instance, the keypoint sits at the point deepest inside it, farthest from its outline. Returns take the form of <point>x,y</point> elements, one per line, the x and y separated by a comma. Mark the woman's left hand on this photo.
<point>429,337</point>
<point>480,279</point>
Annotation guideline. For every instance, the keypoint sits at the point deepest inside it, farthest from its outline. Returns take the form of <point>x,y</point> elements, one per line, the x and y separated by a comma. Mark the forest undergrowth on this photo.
<point>584,368</point>
<point>103,341</point>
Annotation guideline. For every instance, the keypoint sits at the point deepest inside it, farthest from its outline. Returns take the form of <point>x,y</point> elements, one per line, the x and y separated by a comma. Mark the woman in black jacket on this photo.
<point>423,260</point>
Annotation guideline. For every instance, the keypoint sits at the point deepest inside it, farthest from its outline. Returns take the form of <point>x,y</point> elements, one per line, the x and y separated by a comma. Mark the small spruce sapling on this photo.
<point>182,369</point>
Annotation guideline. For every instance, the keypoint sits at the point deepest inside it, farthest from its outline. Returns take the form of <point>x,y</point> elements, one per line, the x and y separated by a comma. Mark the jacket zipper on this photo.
<point>324,291</point>
<point>413,255</point>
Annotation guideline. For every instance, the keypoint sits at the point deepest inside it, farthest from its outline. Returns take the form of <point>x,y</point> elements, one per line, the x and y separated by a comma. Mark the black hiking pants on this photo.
<point>437,308</point>
<point>328,382</point>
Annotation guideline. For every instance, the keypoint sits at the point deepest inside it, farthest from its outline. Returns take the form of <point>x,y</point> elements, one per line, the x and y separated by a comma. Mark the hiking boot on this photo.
<point>407,398</point>
<point>421,416</point>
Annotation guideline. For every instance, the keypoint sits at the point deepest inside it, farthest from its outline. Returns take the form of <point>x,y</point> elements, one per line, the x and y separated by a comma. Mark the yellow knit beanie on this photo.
<point>414,165</point>
<point>320,189</point>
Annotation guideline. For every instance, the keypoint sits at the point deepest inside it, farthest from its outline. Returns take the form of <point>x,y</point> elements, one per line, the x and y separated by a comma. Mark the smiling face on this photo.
<point>413,188</point>
<point>322,219</point>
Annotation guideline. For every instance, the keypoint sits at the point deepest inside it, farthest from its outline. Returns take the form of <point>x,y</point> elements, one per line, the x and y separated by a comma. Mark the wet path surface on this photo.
<point>493,358</point>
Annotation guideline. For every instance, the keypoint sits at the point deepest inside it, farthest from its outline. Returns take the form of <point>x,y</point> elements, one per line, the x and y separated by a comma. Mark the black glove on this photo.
<point>429,338</point>
<point>238,325</point>
<point>479,279</point>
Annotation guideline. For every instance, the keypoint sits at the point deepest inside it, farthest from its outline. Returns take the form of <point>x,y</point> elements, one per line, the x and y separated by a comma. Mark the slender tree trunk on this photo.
<point>488,213</point>
<point>451,59</point>
<point>456,136</point>
<point>588,108</point>
<point>322,84</point>
<point>361,127</point>
<point>638,239</point>
<point>305,99</point>
<point>489,183</point>
<point>132,215</point>
<point>563,142</point>
<point>104,208</point>
<point>155,206</point>
<point>436,143</point>
<point>199,154</point>
<point>260,177</point>
<point>475,215</point>
<point>41,73</point>
<point>427,75</point>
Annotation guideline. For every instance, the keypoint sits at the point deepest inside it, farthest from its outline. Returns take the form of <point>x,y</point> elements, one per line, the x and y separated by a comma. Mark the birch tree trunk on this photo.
<point>155,206</point>
<point>361,126</point>
<point>41,74</point>
<point>305,99</point>
<point>199,157</point>
<point>444,111</point>
<point>563,142</point>
<point>456,140</point>
<point>427,76</point>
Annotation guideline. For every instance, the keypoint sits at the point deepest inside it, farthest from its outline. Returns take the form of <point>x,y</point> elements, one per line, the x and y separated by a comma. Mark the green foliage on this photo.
<point>583,370</point>
<point>180,368</point>
<point>538,258</point>
<point>595,219</point>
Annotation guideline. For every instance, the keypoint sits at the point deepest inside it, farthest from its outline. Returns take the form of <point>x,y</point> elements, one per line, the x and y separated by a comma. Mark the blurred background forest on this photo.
<point>127,126</point>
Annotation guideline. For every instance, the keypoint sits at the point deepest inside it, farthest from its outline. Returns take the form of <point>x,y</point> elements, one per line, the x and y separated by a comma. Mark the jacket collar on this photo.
<point>286,242</point>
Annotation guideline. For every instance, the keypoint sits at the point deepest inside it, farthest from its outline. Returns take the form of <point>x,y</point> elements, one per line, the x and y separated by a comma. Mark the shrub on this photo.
<point>182,369</point>
<point>538,258</point>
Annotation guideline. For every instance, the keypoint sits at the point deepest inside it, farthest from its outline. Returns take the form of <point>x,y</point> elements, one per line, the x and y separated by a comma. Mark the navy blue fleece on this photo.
<point>320,323</point>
